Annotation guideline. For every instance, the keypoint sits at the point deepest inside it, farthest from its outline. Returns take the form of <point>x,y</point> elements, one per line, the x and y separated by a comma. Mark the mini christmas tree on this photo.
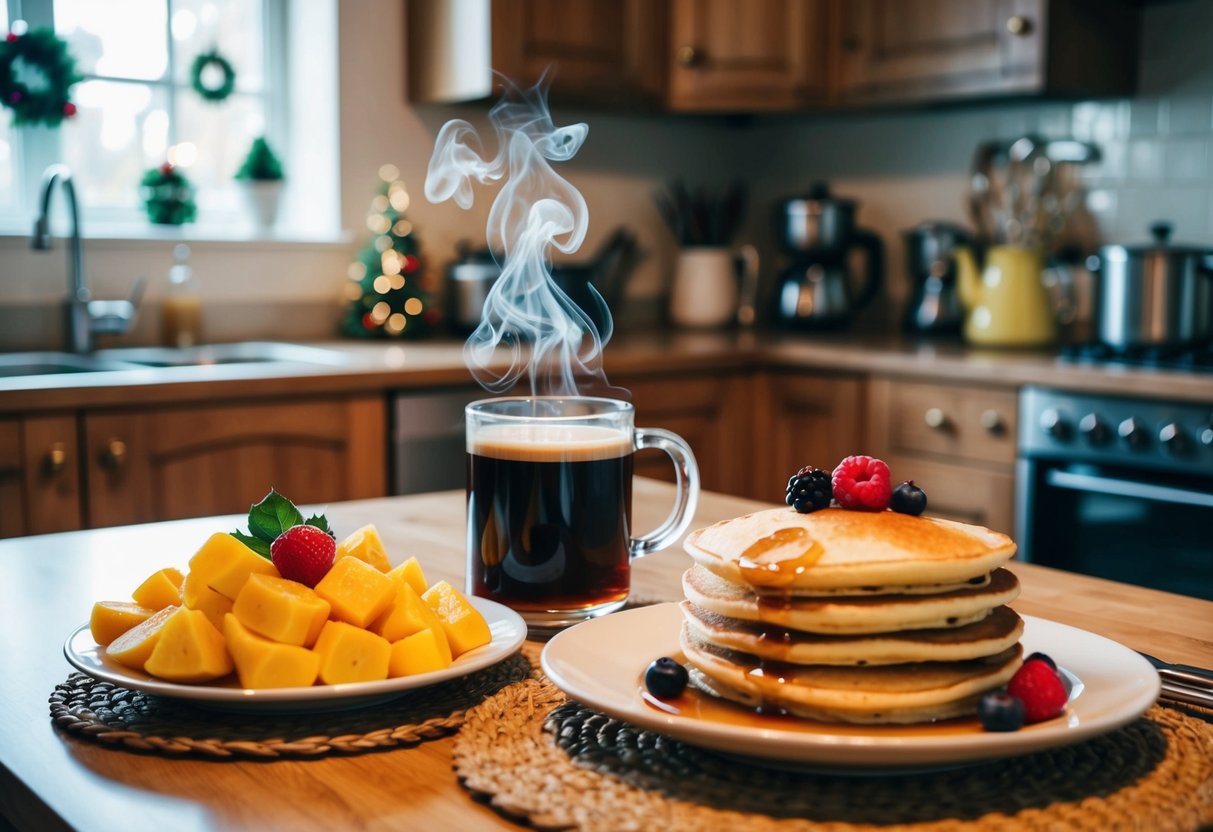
<point>260,164</point>
<point>389,290</point>
<point>168,196</point>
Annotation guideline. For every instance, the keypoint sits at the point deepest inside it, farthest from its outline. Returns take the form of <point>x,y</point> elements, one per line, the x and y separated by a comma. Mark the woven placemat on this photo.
<point>539,757</point>
<point>131,720</point>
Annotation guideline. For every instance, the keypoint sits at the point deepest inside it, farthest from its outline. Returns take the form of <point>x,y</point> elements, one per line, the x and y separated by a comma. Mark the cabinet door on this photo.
<point>600,51</point>
<point>906,49</point>
<point>39,475</point>
<point>711,412</point>
<point>803,419</point>
<point>744,57</point>
<point>188,462</point>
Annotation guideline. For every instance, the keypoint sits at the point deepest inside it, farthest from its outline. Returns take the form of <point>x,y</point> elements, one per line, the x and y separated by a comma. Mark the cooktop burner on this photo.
<point>1197,358</point>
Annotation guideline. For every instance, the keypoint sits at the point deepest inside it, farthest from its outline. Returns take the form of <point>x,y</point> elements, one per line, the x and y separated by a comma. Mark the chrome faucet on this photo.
<point>85,316</point>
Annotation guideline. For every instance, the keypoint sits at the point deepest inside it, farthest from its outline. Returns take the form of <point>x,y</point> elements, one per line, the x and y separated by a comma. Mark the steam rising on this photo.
<point>536,210</point>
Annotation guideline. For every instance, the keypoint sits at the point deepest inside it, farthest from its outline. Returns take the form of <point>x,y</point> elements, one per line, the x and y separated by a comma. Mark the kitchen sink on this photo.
<point>244,352</point>
<point>18,364</point>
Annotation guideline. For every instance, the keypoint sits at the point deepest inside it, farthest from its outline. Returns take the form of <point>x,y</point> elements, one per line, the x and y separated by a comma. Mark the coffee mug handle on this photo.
<point>687,483</point>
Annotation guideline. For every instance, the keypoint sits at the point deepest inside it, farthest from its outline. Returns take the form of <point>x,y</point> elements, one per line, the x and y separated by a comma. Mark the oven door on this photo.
<point>1129,525</point>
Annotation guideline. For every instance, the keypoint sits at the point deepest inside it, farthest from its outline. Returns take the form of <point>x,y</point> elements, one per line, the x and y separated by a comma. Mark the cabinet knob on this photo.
<point>688,56</point>
<point>114,455</point>
<point>992,421</point>
<point>55,459</point>
<point>1019,25</point>
<point>935,418</point>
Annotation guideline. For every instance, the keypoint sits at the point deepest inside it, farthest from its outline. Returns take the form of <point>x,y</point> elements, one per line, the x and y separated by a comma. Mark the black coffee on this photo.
<point>549,514</point>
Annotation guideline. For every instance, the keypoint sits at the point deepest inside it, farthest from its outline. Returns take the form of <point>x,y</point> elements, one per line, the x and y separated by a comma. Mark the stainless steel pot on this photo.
<point>1155,295</point>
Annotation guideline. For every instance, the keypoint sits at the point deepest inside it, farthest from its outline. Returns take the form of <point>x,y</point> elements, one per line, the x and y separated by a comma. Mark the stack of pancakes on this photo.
<point>850,616</point>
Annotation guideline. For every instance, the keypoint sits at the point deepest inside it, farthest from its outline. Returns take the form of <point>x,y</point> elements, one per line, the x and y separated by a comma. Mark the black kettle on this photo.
<point>816,290</point>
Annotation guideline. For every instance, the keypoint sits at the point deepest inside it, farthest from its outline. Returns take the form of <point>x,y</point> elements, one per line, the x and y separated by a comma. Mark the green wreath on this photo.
<point>36,76</point>
<point>224,88</point>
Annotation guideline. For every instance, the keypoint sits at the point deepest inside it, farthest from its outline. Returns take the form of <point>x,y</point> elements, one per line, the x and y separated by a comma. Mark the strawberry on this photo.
<point>1040,689</point>
<point>862,482</point>
<point>303,553</point>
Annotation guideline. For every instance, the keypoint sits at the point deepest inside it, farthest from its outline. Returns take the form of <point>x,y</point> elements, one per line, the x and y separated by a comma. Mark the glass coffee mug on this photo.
<point>549,500</point>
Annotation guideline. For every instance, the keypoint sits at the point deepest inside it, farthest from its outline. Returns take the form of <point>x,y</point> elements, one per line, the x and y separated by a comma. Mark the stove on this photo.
<point>1192,358</point>
<point>1117,487</point>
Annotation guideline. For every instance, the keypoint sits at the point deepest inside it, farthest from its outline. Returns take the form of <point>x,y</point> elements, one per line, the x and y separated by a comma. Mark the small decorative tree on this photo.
<point>262,176</point>
<point>168,196</point>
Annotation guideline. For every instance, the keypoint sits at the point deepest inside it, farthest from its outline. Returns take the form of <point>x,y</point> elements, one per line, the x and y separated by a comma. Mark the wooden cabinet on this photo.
<point>711,411</point>
<point>168,463</point>
<point>602,51</point>
<point>955,441</point>
<point>914,50</point>
<point>39,475</point>
<point>685,55</point>
<point>803,419</point>
<point>746,57</point>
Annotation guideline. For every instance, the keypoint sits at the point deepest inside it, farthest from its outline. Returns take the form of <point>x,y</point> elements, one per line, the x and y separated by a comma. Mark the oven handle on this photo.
<point>1127,488</point>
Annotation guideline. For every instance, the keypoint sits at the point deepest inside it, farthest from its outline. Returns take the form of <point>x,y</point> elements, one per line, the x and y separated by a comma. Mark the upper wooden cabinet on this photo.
<point>783,55</point>
<point>907,50</point>
<point>742,57</point>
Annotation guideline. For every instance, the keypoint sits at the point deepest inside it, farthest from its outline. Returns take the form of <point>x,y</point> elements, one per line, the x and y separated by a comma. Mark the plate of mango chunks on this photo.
<point>288,619</point>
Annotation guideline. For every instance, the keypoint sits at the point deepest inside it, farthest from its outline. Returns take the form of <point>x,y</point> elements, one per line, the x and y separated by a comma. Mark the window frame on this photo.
<point>37,147</point>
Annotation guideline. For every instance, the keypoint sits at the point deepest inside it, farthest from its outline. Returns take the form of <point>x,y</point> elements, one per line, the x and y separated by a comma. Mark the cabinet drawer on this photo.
<point>969,423</point>
<point>959,492</point>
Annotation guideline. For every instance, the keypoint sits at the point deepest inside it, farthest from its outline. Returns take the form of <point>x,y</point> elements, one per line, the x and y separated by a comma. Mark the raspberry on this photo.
<point>1040,689</point>
<point>809,489</point>
<point>862,482</point>
<point>304,554</point>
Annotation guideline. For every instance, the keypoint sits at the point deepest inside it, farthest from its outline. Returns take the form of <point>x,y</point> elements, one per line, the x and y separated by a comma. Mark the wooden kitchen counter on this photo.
<point>48,584</point>
<point>374,367</point>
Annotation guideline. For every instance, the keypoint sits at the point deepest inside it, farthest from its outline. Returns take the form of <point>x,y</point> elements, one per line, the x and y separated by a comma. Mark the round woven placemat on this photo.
<point>121,718</point>
<point>539,757</point>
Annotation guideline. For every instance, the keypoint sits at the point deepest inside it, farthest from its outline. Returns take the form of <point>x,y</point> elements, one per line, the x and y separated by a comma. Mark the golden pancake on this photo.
<point>888,694</point>
<point>848,614</point>
<point>992,635</point>
<point>836,548</point>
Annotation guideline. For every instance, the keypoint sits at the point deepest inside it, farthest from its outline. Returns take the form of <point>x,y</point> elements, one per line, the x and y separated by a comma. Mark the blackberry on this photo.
<point>809,489</point>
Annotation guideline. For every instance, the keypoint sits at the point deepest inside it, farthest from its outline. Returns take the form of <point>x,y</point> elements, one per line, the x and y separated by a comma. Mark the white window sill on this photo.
<point>138,235</point>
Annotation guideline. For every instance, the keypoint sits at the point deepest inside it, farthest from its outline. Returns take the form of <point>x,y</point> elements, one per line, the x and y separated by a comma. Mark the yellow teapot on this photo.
<point>1007,304</point>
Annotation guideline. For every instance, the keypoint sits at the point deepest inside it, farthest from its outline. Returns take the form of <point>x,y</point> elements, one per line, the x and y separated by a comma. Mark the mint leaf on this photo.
<point>256,544</point>
<point>272,516</point>
<point>321,522</point>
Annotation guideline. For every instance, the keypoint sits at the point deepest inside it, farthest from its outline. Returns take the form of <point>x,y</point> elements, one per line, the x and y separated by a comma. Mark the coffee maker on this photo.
<point>934,307</point>
<point>816,290</point>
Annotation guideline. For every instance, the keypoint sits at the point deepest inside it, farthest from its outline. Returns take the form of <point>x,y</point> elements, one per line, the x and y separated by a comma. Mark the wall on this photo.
<point>903,167</point>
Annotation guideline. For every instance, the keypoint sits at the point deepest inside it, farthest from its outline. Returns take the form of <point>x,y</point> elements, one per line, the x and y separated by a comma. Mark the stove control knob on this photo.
<point>1053,423</point>
<point>1132,433</point>
<point>1173,438</point>
<point>1205,435</point>
<point>1093,429</point>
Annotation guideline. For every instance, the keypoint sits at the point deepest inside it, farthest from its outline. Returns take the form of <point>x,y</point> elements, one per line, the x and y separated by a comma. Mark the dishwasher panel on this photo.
<point>428,448</point>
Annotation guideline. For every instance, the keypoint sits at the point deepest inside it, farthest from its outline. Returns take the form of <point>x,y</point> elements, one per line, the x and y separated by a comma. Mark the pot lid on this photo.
<point>1162,246</point>
<point>818,197</point>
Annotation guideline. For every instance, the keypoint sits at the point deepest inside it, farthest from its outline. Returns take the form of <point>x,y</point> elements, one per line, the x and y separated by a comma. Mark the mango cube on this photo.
<point>196,595</point>
<point>422,652</point>
<point>351,654</point>
<point>261,663</point>
<point>162,589</point>
<point>366,545</point>
<point>190,650</point>
<point>282,610</point>
<point>224,564</point>
<point>407,614</point>
<point>135,646</point>
<point>410,572</point>
<point>357,591</point>
<point>463,624</point>
<point>111,619</point>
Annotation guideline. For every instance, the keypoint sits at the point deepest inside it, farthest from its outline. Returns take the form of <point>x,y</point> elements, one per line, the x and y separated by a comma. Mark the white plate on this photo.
<point>507,627</point>
<point>601,664</point>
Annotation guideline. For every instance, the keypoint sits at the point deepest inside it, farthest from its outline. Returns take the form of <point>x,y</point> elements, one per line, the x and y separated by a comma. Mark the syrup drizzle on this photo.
<point>779,558</point>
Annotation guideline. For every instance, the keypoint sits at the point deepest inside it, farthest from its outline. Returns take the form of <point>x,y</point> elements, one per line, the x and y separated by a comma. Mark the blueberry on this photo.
<point>665,678</point>
<point>908,498</point>
<point>1046,659</point>
<point>1000,711</point>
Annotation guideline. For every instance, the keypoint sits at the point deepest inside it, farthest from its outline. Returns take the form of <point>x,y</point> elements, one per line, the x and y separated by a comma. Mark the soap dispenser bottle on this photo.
<point>181,320</point>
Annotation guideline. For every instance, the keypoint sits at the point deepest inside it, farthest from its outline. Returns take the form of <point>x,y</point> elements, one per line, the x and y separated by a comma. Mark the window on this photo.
<point>136,106</point>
